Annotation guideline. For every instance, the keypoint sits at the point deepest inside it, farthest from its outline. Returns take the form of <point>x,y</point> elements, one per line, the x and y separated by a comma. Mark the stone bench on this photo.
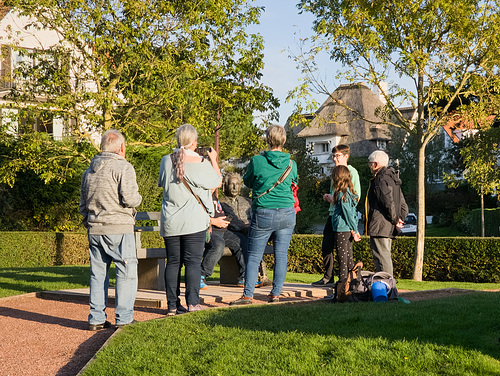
<point>151,261</point>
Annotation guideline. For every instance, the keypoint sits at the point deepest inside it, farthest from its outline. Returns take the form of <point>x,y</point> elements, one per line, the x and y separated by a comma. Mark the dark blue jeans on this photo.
<point>184,249</point>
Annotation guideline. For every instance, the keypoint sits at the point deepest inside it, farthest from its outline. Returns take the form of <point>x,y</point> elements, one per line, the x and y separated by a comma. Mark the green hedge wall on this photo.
<point>445,259</point>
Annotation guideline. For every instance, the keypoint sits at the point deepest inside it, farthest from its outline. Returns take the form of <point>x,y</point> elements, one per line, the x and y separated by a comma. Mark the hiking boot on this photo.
<point>259,284</point>
<point>104,325</point>
<point>241,301</point>
<point>203,285</point>
<point>323,283</point>
<point>241,283</point>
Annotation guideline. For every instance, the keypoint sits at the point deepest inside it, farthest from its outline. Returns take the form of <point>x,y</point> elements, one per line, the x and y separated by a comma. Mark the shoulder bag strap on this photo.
<point>280,180</point>
<point>189,187</point>
<point>194,194</point>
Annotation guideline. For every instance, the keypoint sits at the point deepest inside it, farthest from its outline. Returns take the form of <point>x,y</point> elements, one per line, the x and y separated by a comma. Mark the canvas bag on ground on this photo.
<point>357,286</point>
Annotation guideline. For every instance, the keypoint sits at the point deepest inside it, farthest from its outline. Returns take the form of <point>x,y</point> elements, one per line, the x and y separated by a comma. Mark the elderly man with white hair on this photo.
<point>385,209</point>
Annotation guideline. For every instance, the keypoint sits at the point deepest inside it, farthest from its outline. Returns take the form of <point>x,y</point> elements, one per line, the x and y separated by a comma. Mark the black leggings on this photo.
<point>188,250</point>
<point>343,245</point>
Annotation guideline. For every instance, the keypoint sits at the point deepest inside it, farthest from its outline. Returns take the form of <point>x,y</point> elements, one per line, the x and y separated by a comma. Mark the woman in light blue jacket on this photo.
<point>184,220</point>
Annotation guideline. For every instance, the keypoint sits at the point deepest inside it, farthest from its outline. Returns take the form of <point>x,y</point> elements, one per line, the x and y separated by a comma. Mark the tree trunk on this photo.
<point>419,250</point>
<point>482,214</point>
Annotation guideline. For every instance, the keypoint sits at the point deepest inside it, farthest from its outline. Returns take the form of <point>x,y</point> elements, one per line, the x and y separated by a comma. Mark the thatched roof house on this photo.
<point>335,124</point>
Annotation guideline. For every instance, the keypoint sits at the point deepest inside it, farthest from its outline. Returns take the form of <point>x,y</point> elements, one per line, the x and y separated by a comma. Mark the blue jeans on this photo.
<point>184,249</point>
<point>278,223</point>
<point>103,250</point>
<point>213,252</point>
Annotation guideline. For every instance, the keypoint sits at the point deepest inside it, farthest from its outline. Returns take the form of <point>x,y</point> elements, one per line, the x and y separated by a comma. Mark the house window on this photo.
<point>321,148</point>
<point>382,144</point>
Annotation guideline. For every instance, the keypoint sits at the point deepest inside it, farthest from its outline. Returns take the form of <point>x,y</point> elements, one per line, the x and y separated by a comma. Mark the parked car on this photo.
<point>410,225</point>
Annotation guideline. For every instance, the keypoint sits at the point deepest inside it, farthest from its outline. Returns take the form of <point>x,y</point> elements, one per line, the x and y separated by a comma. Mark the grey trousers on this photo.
<point>381,252</point>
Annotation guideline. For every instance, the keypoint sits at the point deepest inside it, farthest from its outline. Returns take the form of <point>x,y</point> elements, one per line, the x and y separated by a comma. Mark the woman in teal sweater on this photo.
<point>273,213</point>
<point>344,218</point>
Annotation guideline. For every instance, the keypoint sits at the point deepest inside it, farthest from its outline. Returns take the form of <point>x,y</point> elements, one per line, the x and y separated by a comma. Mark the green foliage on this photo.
<point>52,161</point>
<point>311,188</point>
<point>32,204</point>
<point>471,222</point>
<point>38,249</point>
<point>480,155</point>
<point>141,66</point>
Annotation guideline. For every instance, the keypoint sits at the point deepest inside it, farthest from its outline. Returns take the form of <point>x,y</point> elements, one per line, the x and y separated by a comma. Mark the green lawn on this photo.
<point>15,281</point>
<point>434,231</point>
<point>452,336</point>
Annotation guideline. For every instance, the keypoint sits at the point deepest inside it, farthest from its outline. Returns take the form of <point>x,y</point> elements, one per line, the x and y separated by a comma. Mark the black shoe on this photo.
<point>323,283</point>
<point>127,324</point>
<point>104,325</point>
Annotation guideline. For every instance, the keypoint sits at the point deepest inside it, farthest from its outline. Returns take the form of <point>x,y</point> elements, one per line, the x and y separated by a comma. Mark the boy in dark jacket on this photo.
<point>385,210</point>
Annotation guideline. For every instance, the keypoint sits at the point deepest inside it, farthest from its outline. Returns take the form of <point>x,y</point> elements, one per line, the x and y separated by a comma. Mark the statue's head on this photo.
<point>232,184</point>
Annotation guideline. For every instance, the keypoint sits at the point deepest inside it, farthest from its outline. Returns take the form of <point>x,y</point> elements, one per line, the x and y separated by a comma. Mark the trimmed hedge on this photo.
<point>445,259</point>
<point>40,249</point>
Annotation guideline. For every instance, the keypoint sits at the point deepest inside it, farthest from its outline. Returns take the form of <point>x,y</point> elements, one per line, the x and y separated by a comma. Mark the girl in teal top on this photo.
<point>344,218</point>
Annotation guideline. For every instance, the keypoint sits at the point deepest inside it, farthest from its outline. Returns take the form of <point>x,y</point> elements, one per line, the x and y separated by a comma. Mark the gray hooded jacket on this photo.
<point>109,195</point>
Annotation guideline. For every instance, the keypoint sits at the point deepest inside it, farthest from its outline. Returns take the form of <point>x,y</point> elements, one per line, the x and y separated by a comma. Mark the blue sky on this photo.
<point>282,27</point>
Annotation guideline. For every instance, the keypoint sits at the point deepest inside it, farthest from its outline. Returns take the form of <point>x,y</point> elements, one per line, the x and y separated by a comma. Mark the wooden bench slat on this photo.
<point>146,228</point>
<point>147,216</point>
<point>143,253</point>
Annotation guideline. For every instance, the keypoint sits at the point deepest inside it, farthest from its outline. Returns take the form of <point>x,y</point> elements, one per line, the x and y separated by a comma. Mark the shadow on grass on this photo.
<point>24,280</point>
<point>469,321</point>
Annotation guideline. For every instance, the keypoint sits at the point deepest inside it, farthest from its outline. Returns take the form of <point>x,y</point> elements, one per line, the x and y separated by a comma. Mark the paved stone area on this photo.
<point>214,294</point>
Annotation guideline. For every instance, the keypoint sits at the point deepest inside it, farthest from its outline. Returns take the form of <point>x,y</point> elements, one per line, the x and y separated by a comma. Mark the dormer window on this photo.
<point>321,148</point>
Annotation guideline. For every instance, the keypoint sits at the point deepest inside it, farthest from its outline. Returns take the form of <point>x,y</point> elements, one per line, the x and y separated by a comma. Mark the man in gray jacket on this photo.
<point>386,210</point>
<point>108,198</point>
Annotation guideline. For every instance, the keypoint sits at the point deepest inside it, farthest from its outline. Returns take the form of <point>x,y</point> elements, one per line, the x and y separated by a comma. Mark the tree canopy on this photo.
<point>143,67</point>
<point>447,50</point>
